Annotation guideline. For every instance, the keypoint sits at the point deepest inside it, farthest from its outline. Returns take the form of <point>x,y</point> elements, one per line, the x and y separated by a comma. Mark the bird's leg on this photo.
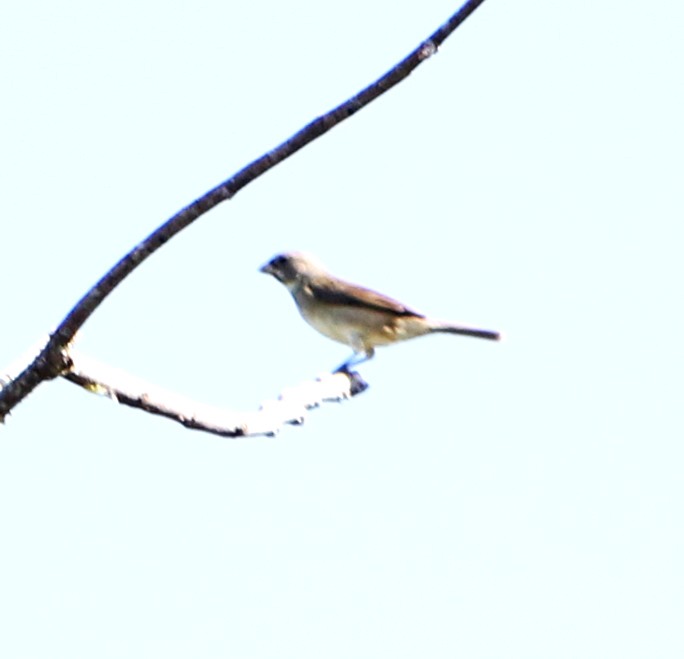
<point>352,361</point>
<point>355,359</point>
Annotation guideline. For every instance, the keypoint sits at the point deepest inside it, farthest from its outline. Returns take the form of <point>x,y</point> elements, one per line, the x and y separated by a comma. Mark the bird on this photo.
<point>354,315</point>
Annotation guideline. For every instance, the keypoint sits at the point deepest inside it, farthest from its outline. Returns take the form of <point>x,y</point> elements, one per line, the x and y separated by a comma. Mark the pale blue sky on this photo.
<point>522,500</point>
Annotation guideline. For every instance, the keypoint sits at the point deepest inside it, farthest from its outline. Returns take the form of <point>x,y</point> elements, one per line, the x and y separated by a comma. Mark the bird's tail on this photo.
<point>466,330</point>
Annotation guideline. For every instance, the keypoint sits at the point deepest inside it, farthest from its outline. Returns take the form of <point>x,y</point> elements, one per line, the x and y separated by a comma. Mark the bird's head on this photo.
<point>291,268</point>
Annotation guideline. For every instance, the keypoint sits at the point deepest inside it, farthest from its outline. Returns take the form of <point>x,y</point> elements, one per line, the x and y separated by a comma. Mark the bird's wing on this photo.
<point>341,292</point>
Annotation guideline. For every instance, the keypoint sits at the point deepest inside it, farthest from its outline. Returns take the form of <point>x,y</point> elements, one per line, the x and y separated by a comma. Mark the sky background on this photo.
<point>520,500</point>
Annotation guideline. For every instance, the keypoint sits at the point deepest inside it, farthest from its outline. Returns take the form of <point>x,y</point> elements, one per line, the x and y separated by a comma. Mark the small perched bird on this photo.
<point>351,314</point>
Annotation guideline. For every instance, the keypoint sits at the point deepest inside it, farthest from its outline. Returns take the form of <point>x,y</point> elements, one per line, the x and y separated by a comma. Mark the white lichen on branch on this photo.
<point>290,407</point>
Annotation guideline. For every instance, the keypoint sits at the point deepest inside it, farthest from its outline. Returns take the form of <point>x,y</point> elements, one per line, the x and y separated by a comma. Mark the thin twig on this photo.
<point>53,360</point>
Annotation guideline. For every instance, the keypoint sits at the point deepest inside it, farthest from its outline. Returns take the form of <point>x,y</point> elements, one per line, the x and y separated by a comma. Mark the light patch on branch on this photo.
<point>289,408</point>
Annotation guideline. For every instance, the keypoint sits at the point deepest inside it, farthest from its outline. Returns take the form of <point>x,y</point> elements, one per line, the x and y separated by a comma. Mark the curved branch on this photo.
<point>53,360</point>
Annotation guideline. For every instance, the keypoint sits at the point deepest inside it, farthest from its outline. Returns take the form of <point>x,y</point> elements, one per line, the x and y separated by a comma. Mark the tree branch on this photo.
<point>289,408</point>
<point>53,359</point>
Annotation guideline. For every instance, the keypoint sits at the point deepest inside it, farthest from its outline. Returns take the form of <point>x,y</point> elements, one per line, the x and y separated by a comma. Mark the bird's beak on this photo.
<point>266,268</point>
